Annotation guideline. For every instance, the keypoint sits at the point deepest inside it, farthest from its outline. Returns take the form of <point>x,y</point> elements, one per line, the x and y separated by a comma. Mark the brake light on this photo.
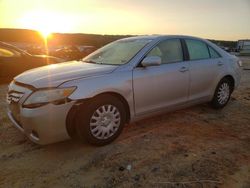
<point>239,62</point>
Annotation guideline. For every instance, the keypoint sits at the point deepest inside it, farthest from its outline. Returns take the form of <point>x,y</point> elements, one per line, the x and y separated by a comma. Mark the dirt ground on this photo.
<point>194,147</point>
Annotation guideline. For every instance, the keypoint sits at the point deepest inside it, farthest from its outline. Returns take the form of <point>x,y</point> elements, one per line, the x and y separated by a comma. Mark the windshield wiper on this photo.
<point>90,61</point>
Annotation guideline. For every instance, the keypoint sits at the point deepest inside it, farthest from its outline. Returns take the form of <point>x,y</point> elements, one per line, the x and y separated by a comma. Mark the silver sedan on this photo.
<point>124,81</point>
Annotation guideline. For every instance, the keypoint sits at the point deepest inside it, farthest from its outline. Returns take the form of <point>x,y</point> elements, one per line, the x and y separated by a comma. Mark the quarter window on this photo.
<point>213,53</point>
<point>169,51</point>
<point>197,49</point>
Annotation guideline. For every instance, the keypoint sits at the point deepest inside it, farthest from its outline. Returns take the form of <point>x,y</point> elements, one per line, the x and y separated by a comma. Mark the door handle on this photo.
<point>220,63</point>
<point>183,69</point>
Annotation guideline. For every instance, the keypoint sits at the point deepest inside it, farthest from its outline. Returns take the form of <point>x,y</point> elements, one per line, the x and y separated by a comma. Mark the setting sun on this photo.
<point>45,22</point>
<point>45,33</point>
<point>198,18</point>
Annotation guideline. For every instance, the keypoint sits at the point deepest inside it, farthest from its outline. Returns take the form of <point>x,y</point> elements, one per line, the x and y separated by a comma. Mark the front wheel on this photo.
<point>102,120</point>
<point>222,94</point>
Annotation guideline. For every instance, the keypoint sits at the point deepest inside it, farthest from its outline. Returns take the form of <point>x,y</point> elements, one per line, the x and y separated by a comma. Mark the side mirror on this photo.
<point>151,61</point>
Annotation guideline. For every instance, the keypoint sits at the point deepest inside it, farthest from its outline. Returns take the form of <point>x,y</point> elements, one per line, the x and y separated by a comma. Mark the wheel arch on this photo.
<point>70,120</point>
<point>215,101</point>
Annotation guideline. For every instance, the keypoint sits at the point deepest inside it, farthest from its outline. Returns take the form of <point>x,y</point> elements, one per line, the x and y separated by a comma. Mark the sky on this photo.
<point>212,19</point>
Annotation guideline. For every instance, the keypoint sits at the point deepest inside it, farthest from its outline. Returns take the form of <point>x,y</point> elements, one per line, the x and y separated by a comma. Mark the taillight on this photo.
<point>239,62</point>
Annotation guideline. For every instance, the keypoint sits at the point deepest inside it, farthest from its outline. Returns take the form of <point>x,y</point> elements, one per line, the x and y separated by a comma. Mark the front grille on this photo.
<point>17,91</point>
<point>14,96</point>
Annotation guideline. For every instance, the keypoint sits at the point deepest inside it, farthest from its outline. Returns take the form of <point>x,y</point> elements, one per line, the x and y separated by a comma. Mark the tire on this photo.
<point>222,94</point>
<point>101,121</point>
<point>71,122</point>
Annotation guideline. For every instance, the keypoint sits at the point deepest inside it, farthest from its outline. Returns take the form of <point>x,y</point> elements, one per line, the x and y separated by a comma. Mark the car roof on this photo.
<point>161,37</point>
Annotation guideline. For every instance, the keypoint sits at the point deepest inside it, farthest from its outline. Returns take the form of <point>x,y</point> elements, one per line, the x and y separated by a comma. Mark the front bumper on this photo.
<point>43,125</point>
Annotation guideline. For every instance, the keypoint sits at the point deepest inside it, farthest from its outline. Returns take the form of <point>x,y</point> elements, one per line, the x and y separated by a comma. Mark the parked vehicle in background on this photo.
<point>86,50</point>
<point>73,52</point>
<point>14,61</point>
<point>243,46</point>
<point>227,49</point>
<point>124,81</point>
<point>68,52</point>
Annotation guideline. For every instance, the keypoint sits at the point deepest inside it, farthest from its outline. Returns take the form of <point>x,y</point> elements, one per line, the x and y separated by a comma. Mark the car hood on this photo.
<point>56,74</point>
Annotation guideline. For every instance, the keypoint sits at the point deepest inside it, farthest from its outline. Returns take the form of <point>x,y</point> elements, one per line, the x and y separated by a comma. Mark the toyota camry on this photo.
<point>124,81</point>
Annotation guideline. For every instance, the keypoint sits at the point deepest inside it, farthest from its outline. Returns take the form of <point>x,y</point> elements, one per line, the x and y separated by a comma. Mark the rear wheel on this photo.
<point>222,93</point>
<point>101,121</point>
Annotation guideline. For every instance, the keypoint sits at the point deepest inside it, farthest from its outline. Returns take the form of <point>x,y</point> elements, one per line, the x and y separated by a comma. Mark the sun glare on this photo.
<point>45,33</point>
<point>45,22</point>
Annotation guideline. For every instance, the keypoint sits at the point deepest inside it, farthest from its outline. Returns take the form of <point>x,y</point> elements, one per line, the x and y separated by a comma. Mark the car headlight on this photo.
<point>45,96</point>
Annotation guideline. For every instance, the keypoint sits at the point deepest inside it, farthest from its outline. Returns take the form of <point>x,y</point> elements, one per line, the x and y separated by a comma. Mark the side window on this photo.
<point>213,53</point>
<point>170,51</point>
<point>5,52</point>
<point>197,49</point>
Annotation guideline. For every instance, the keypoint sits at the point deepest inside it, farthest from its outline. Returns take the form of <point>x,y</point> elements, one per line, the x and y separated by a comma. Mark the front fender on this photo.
<point>119,82</point>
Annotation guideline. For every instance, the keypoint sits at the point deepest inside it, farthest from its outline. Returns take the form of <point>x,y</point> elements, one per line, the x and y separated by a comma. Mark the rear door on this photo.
<point>205,65</point>
<point>157,87</point>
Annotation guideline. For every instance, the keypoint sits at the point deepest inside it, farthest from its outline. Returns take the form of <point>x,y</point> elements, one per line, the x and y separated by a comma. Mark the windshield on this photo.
<point>118,52</point>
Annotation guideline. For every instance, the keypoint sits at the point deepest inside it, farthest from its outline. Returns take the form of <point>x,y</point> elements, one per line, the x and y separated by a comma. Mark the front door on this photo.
<point>165,85</point>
